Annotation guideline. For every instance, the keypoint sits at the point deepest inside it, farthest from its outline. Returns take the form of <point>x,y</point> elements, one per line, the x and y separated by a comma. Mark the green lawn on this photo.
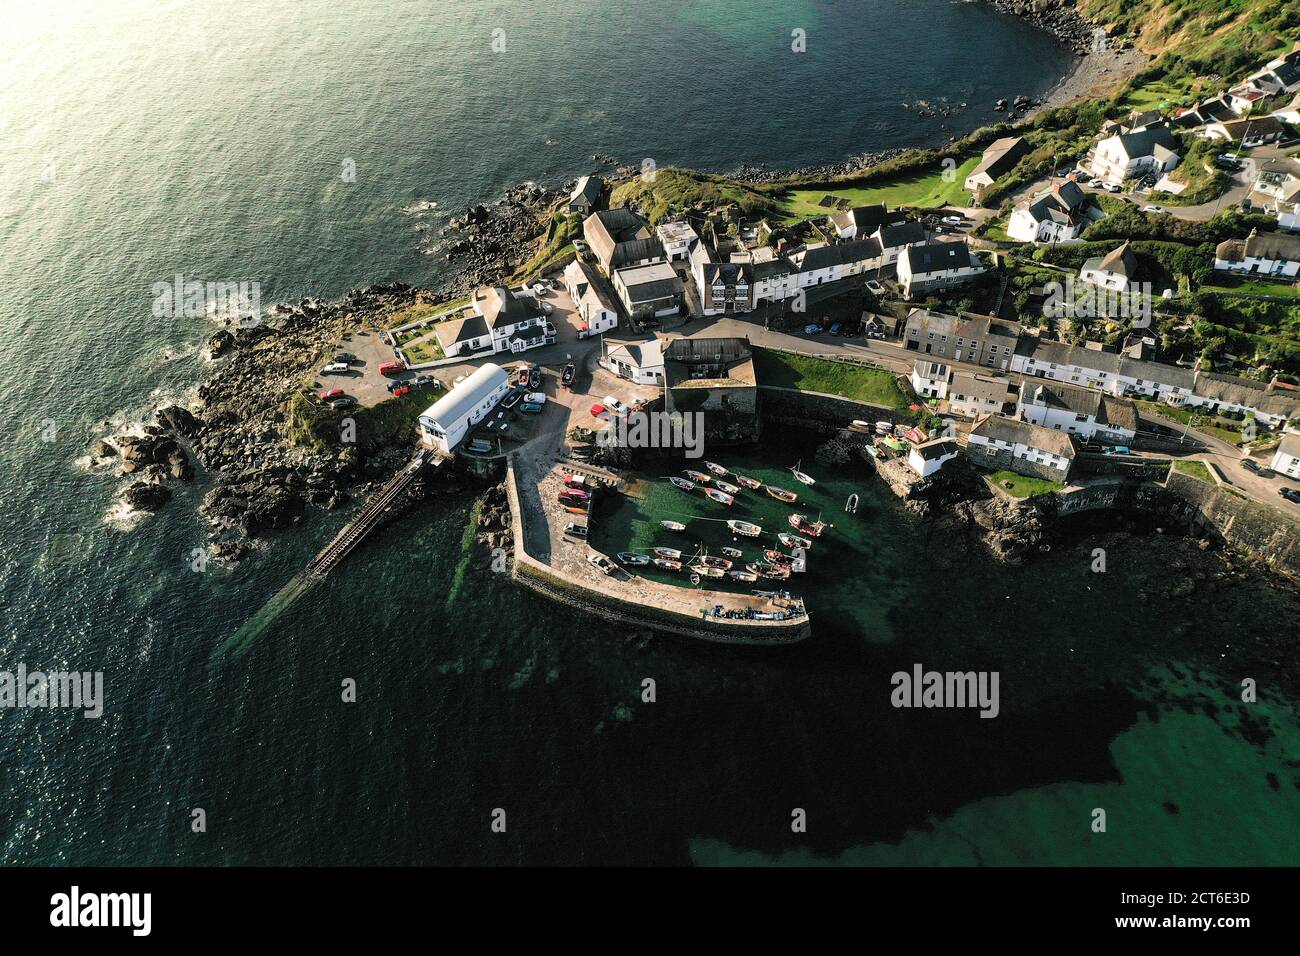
<point>1023,486</point>
<point>1201,423</point>
<point>1158,94</point>
<point>1197,469</point>
<point>924,190</point>
<point>1251,286</point>
<point>787,370</point>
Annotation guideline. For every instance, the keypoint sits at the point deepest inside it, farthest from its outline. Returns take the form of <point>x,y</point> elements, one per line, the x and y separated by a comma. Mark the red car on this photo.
<point>332,393</point>
<point>597,410</point>
<point>391,368</point>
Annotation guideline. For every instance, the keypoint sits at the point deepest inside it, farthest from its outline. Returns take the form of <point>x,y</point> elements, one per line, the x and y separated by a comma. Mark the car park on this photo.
<point>336,368</point>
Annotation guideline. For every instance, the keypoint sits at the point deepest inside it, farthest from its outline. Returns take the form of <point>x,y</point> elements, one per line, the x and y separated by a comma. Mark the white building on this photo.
<point>598,312</point>
<point>1286,460</point>
<point>1130,155</point>
<point>676,238</point>
<point>937,266</point>
<point>1058,215</point>
<point>1269,254</point>
<point>1114,271</point>
<point>1078,411</point>
<point>863,221</point>
<point>930,379</point>
<point>499,321</point>
<point>996,442</point>
<point>640,362</point>
<point>446,422</point>
<point>1277,190</point>
<point>1219,394</point>
<point>927,458</point>
<point>1093,367</point>
<point>973,395</point>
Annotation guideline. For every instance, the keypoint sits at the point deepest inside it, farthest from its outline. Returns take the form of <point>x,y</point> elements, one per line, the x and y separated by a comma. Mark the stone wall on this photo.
<point>1001,459</point>
<point>731,414</point>
<point>820,412</point>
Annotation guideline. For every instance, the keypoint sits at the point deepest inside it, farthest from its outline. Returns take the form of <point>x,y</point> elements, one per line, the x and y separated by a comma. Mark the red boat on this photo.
<point>802,524</point>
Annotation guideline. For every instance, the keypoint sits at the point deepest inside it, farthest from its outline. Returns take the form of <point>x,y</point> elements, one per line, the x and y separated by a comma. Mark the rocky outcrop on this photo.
<point>1060,18</point>
<point>488,242</point>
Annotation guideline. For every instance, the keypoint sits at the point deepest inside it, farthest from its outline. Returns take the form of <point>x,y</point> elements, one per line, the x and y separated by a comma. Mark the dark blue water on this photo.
<point>141,140</point>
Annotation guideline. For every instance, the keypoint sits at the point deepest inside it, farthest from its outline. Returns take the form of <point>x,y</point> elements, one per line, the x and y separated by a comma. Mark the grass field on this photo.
<point>1197,469</point>
<point>1243,286</point>
<point>787,370</point>
<point>1023,486</point>
<point>926,191</point>
<point>1200,423</point>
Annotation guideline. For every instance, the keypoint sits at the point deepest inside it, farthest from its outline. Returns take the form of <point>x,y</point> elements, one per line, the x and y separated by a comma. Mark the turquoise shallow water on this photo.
<point>140,140</point>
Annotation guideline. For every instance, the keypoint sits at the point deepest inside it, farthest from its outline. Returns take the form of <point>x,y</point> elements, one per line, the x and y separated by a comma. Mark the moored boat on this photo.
<point>802,476</point>
<point>698,477</point>
<point>576,493</point>
<point>576,509</point>
<point>671,553</point>
<point>632,559</point>
<point>672,525</point>
<point>753,484</point>
<point>739,575</point>
<point>794,541</point>
<point>668,564</point>
<point>733,552</point>
<point>768,571</point>
<point>715,468</point>
<point>721,496</point>
<point>780,494</point>
<point>729,489</point>
<point>746,528</point>
<point>712,562</point>
<point>861,427</point>
<point>682,483</point>
<point>778,557</point>
<point>703,570</point>
<point>801,523</point>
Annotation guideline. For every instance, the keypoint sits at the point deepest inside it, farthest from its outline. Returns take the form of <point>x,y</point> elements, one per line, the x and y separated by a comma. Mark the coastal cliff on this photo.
<point>1061,18</point>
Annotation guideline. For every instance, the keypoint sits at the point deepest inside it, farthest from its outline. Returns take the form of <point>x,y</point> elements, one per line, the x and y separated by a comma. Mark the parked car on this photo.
<point>875,334</point>
<point>575,531</point>
<point>1290,494</point>
<point>343,401</point>
<point>391,368</point>
<point>954,220</point>
<point>1154,209</point>
<point>530,408</point>
<point>1250,465</point>
<point>336,368</point>
<point>421,381</point>
<point>326,395</point>
<point>875,287</point>
<point>478,446</point>
<point>1097,184</point>
<point>547,308</point>
<point>811,328</point>
<point>346,358</point>
<point>614,405</point>
<point>536,398</point>
<point>1113,188</point>
<point>540,290</point>
<point>579,245</point>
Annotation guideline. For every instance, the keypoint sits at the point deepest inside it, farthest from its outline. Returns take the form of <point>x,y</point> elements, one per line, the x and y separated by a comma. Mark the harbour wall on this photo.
<point>547,581</point>
<point>821,412</point>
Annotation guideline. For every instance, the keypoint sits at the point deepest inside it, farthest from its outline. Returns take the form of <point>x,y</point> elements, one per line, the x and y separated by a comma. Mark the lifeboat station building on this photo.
<point>445,423</point>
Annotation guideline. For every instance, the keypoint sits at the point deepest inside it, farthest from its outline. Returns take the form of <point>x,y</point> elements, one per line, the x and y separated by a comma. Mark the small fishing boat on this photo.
<point>780,494</point>
<point>753,484</point>
<point>715,468</point>
<point>703,570</point>
<point>729,489</point>
<point>682,483</point>
<point>668,564</point>
<point>861,427</point>
<point>576,509</point>
<point>738,575</point>
<point>698,477</point>
<point>884,428</point>
<point>672,525</point>
<point>746,528</point>
<point>711,562</point>
<point>632,559</point>
<point>733,552</point>
<point>721,496</point>
<point>801,476</point>
<point>778,557</point>
<point>794,541</point>
<point>671,554</point>
<point>801,523</point>
<point>768,571</point>
<point>576,493</point>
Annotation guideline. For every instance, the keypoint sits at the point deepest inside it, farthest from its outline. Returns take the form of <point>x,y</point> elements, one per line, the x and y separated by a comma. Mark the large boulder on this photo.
<point>143,496</point>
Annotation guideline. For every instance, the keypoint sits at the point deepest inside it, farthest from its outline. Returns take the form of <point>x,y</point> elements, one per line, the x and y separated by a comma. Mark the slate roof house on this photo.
<point>862,221</point>
<point>499,321</point>
<point>976,339</point>
<point>1085,412</point>
<point>586,195</point>
<point>938,265</point>
<point>619,238</point>
<point>1152,149</point>
<point>598,310</point>
<point>1286,460</point>
<point>1093,367</point>
<point>999,159</point>
<point>1058,215</point>
<point>1217,393</point>
<point>998,443</point>
<point>650,289</point>
<point>972,395</point>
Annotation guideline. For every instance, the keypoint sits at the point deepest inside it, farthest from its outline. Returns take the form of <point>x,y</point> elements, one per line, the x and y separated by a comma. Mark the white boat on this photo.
<point>672,525</point>
<point>794,541</point>
<point>738,575</point>
<point>859,426</point>
<point>705,571</point>
<point>672,554</point>
<point>721,496</point>
<point>668,564</point>
<point>715,468</point>
<point>746,528</point>
<point>632,559</point>
<point>698,477</point>
<point>729,489</point>
<point>801,476</point>
<point>733,552</point>
<point>753,484</point>
<point>682,483</point>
